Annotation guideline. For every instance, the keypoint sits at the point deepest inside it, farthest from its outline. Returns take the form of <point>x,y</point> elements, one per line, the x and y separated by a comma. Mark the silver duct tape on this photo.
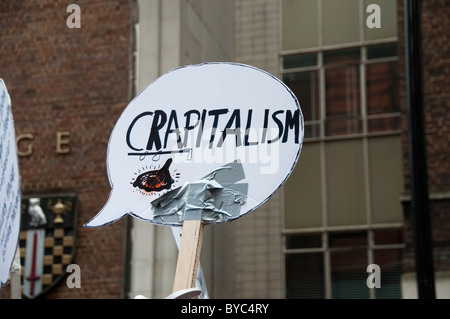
<point>217,197</point>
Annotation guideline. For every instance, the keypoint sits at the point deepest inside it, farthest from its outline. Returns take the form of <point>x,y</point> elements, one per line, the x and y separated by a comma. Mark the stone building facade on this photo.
<point>349,192</point>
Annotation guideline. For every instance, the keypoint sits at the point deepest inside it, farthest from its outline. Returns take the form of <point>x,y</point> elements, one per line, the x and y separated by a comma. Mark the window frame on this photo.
<point>326,250</point>
<point>321,68</point>
<point>370,227</point>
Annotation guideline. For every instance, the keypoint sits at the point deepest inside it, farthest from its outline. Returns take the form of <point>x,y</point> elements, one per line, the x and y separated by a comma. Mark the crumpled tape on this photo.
<point>216,197</point>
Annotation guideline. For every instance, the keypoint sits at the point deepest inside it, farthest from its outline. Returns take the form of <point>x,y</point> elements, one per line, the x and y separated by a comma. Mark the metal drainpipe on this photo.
<point>417,151</point>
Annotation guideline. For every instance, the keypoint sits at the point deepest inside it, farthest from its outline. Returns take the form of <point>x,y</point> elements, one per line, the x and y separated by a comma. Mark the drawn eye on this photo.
<point>155,180</point>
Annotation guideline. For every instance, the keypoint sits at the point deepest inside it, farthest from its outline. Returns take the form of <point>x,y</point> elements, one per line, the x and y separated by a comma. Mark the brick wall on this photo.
<point>436,65</point>
<point>73,80</point>
<point>436,80</point>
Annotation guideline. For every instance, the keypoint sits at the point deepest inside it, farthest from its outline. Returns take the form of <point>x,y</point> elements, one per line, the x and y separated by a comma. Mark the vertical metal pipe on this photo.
<point>417,151</point>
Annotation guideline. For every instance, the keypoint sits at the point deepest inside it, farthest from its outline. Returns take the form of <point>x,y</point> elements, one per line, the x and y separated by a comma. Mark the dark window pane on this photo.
<point>345,239</point>
<point>312,130</point>
<point>382,98</point>
<point>342,91</point>
<point>382,51</point>
<point>348,262</point>
<point>348,274</point>
<point>385,124</point>
<point>305,87</point>
<point>388,236</point>
<point>343,126</point>
<point>345,56</point>
<point>299,60</point>
<point>342,100</point>
<point>304,276</point>
<point>381,89</point>
<point>303,241</point>
<point>391,268</point>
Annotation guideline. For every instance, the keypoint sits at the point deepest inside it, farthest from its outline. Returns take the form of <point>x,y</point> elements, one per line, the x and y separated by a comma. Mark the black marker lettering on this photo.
<point>292,121</point>
<point>200,129</point>
<point>216,114</point>
<point>280,126</point>
<point>247,130</point>
<point>131,127</point>
<point>235,117</point>
<point>287,121</point>
<point>158,122</point>
<point>173,119</point>
<point>188,125</point>
<point>266,122</point>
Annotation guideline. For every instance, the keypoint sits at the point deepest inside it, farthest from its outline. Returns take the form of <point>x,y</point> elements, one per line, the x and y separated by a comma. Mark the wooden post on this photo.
<point>16,292</point>
<point>188,255</point>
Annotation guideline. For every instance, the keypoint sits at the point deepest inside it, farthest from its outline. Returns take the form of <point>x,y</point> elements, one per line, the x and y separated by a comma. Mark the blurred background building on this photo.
<point>347,204</point>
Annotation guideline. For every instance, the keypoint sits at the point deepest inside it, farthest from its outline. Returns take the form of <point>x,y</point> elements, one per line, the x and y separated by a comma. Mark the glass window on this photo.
<point>348,253</point>
<point>391,265</point>
<point>382,99</point>
<point>299,60</point>
<point>303,241</point>
<point>388,236</point>
<point>348,263</point>
<point>306,276</point>
<point>342,92</point>
<point>345,239</point>
<point>348,274</point>
<point>305,87</point>
<point>347,87</point>
<point>343,111</point>
<point>343,56</point>
<point>380,51</point>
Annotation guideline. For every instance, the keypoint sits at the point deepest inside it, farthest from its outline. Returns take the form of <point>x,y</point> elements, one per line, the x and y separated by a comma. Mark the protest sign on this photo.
<point>203,144</point>
<point>9,187</point>
<point>212,141</point>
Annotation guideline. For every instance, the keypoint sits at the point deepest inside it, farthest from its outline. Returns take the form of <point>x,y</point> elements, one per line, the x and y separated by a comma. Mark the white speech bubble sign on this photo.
<point>192,121</point>
<point>9,187</point>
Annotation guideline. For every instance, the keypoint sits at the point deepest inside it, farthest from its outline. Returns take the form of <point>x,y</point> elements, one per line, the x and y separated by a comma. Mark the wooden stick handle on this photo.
<point>188,255</point>
<point>16,292</point>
